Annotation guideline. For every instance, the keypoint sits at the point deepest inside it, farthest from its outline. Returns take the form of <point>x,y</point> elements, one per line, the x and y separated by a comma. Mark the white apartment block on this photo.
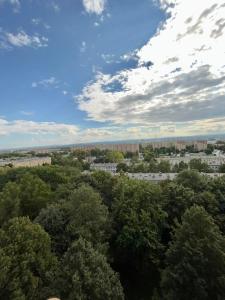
<point>214,162</point>
<point>107,167</point>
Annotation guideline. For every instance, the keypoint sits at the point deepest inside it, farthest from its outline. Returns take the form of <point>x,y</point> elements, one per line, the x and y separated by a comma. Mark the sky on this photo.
<point>82,71</point>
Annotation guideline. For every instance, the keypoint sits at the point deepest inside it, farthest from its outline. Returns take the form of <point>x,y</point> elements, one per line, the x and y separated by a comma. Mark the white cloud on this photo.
<point>180,75</point>
<point>26,113</point>
<point>31,127</point>
<point>94,6</point>
<point>51,133</point>
<point>83,47</point>
<point>21,39</point>
<point>49,82</point>
<point>38,21</point>
<point>55,7</point>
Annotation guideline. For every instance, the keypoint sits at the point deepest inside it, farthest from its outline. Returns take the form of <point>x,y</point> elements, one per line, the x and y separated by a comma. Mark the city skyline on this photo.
<point>86,71</point>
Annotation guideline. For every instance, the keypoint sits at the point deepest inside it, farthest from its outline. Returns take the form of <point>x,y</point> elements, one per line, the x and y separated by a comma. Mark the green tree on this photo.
<point>138,220</point>
<point>222,169</point>
<point>164,166</point>
<point>149,155</point>
<point>193,180</point>
<point>195,260</point>
<point>177,199</point>
<point>54,220</point>
<point>35,194</point>
<point>198,165</point>
<point>9,202</point>
<point>114,156</point>
<point>180,167</point>
<point>27,265</point>
<point>87,217</point>
<point>85,274</point>
<point>122,167</point>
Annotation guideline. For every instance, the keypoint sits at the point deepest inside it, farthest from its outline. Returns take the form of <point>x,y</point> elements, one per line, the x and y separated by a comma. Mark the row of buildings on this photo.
<point>200,145</point>
<point>26,162</point>
<point>134,148</point>
<point>214,162</point>
<point>153,177</point>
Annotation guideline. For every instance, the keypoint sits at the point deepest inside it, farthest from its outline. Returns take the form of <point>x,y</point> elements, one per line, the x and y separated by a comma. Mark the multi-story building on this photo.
<point>107,167</point>
<point>178,145</point>
<point>134,148</point>
<point>26,162</point>
<point>158,177</point>
<point>214,162</point>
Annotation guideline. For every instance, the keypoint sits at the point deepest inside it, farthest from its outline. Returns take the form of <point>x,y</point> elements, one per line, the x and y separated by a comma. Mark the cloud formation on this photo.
<point>94,6</point>
<point>180,73</point>
<point>50,133</point>
<point>21,39</point>
<point>49,82</point>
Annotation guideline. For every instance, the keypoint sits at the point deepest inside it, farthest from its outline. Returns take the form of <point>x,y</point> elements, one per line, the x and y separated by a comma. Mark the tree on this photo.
<point>50,175</point>
<point>114,156</point>
<point>122,167</point>
<point>54,220</point>
<point>222,169</point>
<point>180,167</point>
<point>177,199</point>
<point>193,180</point>
<point>149,155</point>
<point>198,165</point>
<point>164,166</point>
<point>87,275</point>
<point>195,259</point>
<point>87,217</point>
<point>26,260</point>
<point>138,220</point>
<point>9,202</point>
<point>35,194</point>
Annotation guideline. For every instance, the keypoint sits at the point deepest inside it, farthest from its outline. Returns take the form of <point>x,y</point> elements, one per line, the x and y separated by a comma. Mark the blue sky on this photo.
<point>94,70</point>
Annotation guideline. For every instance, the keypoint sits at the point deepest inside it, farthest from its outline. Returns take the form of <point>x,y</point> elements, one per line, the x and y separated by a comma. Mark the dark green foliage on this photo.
<point>96,218</point>
<point>177,199</point>
<point>88,217</point>
<point>195,260</point>
<point>192,179</point>
<point>27,265</point>
<point>198,165</point>
<point>35,194</point>
<point>54,220</point>
<point>9,202</point>
<point>138,220</point>
<point>122,167</point>
<point>85,274</point>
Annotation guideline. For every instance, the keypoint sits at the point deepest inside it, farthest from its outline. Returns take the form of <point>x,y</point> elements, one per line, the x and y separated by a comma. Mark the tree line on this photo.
<point>95,236</point>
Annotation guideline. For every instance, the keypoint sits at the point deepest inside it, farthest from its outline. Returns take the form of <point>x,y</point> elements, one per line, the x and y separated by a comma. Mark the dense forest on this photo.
<point>87,236</point>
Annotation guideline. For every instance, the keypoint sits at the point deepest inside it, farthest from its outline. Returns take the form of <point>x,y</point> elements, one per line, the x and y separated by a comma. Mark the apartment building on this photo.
<point>178,145</point>
<point>134,148</point>
<point>214,162</point>
<point>107,167</point>
<point>26,162</point>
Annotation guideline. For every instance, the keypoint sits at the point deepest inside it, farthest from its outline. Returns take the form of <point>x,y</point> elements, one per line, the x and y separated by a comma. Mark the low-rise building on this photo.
<point>158,177</point>
<point>214,162</point>
<point>107,167</point>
